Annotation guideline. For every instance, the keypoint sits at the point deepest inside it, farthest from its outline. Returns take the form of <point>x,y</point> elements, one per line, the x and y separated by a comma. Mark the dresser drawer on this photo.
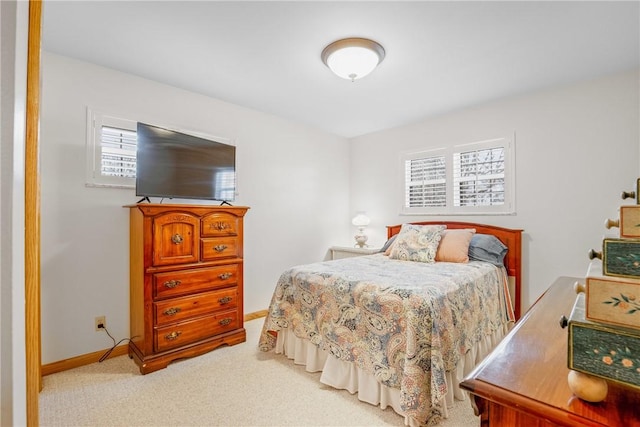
<point>179,309</point>
<point>220,224</point>
<point>176,335</point>
<point>218,248</point>
<point>174,283</point>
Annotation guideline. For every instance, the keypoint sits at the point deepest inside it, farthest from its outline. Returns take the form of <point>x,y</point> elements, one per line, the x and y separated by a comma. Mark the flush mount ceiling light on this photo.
<point>353,58</point>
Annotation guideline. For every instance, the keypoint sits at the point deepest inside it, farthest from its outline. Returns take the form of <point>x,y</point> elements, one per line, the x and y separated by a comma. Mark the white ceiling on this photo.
<point>440,56</point>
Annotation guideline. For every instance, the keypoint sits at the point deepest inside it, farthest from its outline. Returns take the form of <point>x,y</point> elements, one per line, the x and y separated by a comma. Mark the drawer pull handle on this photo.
<point>173,335</point>
<point>172,284</point>
<point>628,195</point>
<point>177,239</point>
<point>612,223</point>
<point>225,300</point>
<point>594,254</point>
<point>225,321</point>
<point>221,226</point>
<point>564,322</point>
<point>220,248</point>
<point>172,311</point>
<point>224,276</point>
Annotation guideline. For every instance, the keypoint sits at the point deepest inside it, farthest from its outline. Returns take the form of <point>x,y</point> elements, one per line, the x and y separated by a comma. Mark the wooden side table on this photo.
<point>523,382</point>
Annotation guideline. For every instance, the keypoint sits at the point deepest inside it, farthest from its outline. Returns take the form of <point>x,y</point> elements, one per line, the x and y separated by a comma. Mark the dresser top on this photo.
<point>184,205</point>
<point>151,209</point>
<point>528,370</point>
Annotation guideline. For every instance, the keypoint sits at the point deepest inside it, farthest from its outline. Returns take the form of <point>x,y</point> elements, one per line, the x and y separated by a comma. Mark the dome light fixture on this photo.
<point>353,58</point>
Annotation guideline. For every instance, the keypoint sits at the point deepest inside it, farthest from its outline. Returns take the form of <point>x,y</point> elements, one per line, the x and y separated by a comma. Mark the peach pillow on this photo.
<point>454,245</point>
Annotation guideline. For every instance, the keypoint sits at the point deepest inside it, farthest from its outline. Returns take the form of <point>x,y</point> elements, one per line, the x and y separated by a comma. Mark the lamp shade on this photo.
<point>353,58</point>
<point>360,220</point>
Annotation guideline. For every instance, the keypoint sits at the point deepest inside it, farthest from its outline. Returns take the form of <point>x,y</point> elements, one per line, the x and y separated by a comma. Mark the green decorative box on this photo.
<point>621,257</point>
<point>605,351</point>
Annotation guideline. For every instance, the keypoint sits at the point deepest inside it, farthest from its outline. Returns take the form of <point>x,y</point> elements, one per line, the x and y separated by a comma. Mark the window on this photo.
<point>111,151</point>
<point>426,181</point>
<point>474,178</point>
<point>478,177</point>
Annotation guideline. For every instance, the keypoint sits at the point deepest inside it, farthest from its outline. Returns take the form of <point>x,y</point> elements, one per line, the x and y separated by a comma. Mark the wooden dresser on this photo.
<point>523,382</point>
<point>185,281</point>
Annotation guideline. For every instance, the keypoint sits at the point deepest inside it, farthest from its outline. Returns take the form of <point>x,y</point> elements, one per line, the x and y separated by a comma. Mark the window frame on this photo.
<point>94,177</point>
<point>508,208</point>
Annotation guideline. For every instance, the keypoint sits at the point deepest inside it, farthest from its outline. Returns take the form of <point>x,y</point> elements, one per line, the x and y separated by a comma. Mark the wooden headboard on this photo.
<point>511,238</point>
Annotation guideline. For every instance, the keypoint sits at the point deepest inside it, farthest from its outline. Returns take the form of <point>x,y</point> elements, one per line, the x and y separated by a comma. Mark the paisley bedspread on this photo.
<point>404,322</point>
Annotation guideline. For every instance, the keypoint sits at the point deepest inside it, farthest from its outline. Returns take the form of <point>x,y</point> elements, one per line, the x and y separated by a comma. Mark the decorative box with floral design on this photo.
<point>621,257</point>
<point>613,300</point>
<point>630,221</point>
<point>609,352</point>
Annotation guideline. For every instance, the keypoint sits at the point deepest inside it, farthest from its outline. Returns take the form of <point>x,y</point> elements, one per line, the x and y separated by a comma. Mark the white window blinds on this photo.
<point>118,152</point>
<point>425,184</point>
<point>111,151</point>
<point>476,178</point>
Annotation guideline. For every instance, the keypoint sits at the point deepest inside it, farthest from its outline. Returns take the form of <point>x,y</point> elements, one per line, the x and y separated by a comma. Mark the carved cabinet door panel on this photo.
<point>176,239</point>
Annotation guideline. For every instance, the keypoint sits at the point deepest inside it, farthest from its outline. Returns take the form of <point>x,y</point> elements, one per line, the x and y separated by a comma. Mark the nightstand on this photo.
<point>339,252</point>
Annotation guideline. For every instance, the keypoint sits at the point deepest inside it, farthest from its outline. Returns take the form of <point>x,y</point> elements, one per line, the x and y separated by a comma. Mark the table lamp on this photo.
<point>360,221</point>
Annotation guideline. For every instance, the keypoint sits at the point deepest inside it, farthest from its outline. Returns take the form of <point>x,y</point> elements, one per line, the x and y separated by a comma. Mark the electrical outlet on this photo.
<point>101,322</point>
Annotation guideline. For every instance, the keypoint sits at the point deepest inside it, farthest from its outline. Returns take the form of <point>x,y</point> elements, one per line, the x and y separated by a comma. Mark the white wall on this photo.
<point>577,149</point>
<point>294,179</point>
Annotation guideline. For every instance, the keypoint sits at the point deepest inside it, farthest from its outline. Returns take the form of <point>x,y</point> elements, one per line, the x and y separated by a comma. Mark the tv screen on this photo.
<point>176,165</point>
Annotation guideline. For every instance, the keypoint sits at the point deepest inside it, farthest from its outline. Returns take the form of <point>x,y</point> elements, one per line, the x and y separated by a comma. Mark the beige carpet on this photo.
<point>231,386</point>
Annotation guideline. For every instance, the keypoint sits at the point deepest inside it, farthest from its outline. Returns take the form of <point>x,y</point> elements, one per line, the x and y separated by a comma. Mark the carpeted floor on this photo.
<point>231,386</point>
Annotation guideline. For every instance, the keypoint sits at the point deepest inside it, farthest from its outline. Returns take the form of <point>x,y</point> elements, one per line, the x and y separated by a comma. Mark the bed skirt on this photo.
<point>347,376</point>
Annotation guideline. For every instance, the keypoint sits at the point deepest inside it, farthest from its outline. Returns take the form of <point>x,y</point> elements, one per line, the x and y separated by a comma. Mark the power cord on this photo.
<point>108,352</point>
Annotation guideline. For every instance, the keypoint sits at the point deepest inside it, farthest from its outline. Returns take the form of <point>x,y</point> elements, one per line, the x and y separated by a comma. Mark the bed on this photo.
<point>400,330</point>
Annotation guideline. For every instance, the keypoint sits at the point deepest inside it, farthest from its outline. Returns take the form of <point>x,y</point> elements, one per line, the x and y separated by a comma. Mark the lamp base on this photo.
<point>361,240</point>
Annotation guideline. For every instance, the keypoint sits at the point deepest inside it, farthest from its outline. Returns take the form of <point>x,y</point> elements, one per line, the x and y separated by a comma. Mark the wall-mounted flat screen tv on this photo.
<point>172,164</point>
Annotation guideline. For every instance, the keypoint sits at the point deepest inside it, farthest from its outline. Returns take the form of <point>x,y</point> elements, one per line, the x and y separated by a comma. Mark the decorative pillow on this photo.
<point>454,245</point>
<point>488,248</point>
<point>417,243</point>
